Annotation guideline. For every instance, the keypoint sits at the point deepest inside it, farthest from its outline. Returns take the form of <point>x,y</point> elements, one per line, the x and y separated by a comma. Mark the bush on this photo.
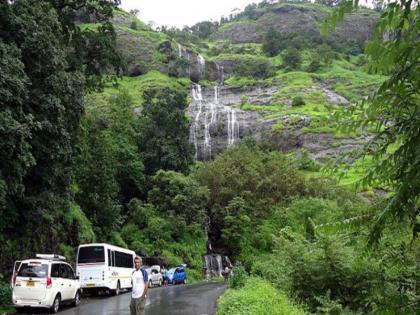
<point>134,25</point>
<point>5,293</point>
<point>292,59</point>
<point>238,278</point>
<point>314,66</point>
<point>256,68</point>
<point>256,297</point>
<point>305,162</point>
<point>298,101</point>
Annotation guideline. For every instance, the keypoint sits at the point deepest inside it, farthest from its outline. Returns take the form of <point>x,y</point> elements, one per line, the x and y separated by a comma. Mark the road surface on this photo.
<point>196,299</point>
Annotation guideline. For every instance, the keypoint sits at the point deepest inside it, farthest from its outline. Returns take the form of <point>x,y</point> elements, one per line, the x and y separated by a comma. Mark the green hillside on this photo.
<point>315,204</point>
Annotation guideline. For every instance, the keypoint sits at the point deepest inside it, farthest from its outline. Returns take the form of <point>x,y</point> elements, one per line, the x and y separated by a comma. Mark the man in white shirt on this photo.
<point>139,280</point>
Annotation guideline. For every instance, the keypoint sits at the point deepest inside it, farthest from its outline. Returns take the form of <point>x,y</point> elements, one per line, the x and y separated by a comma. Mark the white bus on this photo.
<point>104,267</point>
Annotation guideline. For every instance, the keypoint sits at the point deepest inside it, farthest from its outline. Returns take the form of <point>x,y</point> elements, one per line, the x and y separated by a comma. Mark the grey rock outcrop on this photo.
<point>290,19</point>
<point>218,122</point>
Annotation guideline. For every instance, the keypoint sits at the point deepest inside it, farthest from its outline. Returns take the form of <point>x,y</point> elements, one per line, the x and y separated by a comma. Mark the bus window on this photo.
<point>91,254</point>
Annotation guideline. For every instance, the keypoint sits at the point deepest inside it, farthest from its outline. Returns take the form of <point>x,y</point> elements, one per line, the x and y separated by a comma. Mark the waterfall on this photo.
<point>213,264</point>
<point>198,97</point>
<point>233,126</point>
<point>201,63</point>
<point>196,92</point>
<point>208,111</point>
<point>179,50</point>
<point>220,73</point>
<point>219,265</point>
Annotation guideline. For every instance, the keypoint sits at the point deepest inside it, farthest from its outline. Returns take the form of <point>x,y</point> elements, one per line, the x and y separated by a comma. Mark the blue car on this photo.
<point>175,275</point>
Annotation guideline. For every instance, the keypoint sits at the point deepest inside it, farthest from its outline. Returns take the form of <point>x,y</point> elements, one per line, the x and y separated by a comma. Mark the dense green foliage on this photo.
<point>46,68</point>
<point>163,131</point>
<point>116,165</point>
<point>257,297</point>
<point>393,111</point>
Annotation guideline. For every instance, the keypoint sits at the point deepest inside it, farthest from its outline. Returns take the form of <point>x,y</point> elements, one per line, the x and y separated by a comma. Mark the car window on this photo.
<point>70,272</point>
<point>17,265</point>
<point>64,272</point>
<point>55,270</point>
<point>33,270</point>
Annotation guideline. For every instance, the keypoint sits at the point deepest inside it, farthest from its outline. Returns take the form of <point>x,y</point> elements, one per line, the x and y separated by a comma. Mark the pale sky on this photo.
<point>183,12</point>
<point>188,12</point>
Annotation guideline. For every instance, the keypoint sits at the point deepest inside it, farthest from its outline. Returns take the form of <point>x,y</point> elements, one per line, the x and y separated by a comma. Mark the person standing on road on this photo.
<point>139,281</point>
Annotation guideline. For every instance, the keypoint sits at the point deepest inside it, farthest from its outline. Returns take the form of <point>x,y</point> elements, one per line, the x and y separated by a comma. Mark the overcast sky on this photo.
<point>187,12</point>
<point>183,12</point>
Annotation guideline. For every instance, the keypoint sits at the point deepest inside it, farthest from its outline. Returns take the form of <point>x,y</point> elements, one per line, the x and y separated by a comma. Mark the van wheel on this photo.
<point>76,300</point>
<point>118,289</point>
<point>56,304</point>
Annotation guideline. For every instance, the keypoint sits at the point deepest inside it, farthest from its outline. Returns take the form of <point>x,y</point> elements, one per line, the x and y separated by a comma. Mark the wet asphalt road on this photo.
<point>196,299</point>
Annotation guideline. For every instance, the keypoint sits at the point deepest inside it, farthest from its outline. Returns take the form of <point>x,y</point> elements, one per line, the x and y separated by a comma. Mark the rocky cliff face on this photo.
<point>305,21</point>
<point>218,122</point>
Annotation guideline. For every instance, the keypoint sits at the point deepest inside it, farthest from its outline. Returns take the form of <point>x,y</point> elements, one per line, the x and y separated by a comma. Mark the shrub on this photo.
<point>314,66</point>
<point>298,101</point>
<point>257,68</point>
<point>292,59</point>
<point>305,162</point>
<point>256,297</point>
<point>5,293</point>
<point>238,278</point>
<point>134,25</point>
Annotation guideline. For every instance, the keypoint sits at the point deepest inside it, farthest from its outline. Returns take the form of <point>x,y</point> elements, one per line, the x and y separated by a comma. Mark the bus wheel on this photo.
<point>117,290</point>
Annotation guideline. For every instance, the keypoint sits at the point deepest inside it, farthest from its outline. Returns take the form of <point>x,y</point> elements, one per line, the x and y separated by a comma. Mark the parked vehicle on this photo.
<point>155,276</point>
<point>104,267</point>
<point>15,270</point>
<point>46,281</point>
<point>176,275</point>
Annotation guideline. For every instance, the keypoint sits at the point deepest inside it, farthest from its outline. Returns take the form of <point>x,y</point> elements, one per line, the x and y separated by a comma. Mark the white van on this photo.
<point>155,276</point>
<point>46,281</point>
<point>104,267</point>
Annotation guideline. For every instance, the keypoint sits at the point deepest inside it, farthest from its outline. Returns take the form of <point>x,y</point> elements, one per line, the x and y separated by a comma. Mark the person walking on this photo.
<point>139,281</point>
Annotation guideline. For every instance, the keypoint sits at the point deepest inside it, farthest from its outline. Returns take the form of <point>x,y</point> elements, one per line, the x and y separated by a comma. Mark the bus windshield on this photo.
<point>91,254</point>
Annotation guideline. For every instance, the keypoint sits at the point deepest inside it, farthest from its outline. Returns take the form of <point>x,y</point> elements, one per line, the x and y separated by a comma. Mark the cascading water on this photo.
<point>198,98</point>
<point>179,50</point>
<point>201,64</point>
<point>210,114</point>
<point>233,126</point>
<point>220,73</point>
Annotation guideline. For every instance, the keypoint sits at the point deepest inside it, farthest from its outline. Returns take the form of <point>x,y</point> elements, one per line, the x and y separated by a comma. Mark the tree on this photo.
<point>292,59</point>
<point>271,44</point>
<point>392,111</point>
<point>135,12</point>
<point>47,65</point>
<point>163,139</point>
<point>237,224</point>
<point>176,194</point>
<point>97,188</point>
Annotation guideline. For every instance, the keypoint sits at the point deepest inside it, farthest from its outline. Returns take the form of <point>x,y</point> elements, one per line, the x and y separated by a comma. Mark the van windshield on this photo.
<point>91,254</point>
<point>33,270</point>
